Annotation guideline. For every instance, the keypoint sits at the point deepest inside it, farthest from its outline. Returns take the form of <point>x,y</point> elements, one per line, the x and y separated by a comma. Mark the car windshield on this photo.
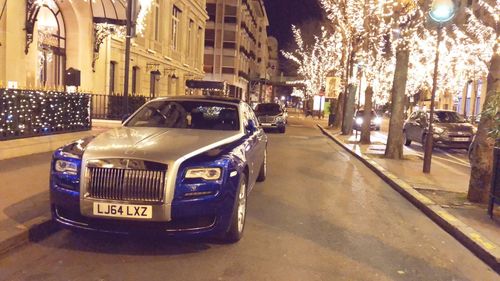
<point>268,108</point>
<point>448,117</point>
<point>362,112</point>
<point>202,115</point>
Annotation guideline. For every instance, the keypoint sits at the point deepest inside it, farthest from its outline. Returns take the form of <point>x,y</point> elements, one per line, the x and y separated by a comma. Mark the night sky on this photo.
<point>283,13</point>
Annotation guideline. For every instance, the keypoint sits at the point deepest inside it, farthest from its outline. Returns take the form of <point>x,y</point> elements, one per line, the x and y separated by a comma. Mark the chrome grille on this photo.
<point>266,119</point>
<point>126,184</point>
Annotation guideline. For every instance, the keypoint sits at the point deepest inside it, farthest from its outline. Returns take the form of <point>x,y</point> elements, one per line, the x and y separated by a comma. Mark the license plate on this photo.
<point>122,210</point>
<point>460,139</point>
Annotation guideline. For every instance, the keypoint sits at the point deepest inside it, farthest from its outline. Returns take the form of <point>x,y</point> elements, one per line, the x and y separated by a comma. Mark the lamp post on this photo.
<point>441,12</point>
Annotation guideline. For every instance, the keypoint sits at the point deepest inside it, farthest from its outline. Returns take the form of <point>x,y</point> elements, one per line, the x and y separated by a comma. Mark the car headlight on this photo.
<point>359,121</point>
<point>279,119</point>
<point>438,130</point>
<point>474,130</point>
<point>378,120</point>
<point>210,174</point>
<point>63,166</point>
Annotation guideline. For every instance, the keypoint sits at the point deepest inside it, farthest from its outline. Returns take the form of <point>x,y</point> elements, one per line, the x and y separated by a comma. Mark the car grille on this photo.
<point>126,184</point>
<point>266,119</point>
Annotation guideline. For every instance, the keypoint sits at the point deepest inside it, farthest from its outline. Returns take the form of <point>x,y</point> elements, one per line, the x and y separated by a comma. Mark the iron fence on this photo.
<point>111,106</point>
<point>29,113</point>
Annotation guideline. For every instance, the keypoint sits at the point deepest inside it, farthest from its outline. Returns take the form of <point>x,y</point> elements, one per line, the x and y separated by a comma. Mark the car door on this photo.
<point>420,127</point>
<point>252,145</point>
<point>410,125</point>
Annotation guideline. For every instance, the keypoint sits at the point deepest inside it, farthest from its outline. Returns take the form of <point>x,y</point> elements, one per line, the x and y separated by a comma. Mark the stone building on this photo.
<point>40,39</point>
<point>236,44</point>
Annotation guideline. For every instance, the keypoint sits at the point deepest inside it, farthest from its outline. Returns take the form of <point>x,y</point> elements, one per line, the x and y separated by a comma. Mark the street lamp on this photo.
<point>441,12</point>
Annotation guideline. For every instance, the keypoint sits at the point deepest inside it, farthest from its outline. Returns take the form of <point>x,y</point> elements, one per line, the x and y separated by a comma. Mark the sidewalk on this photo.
<point>24,200</point>
<point>440,194</point>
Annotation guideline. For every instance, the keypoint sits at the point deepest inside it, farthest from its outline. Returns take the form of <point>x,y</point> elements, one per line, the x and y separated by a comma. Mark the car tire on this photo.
<point>282,130</point>
<point>263,169</point>
<point>235,231</point>
<point>406,141</point>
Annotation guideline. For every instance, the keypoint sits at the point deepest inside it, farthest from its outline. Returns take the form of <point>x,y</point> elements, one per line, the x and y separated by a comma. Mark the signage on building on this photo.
<point>332,87</point>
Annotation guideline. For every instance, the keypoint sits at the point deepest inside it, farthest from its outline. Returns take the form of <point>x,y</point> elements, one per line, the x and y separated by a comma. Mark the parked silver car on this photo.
<point>450,130</point>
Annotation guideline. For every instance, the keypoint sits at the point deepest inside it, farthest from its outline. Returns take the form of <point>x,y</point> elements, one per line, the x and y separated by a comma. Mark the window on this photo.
<point>199,53</point>
<point>135,79</point>
<point>156,30</point>
<point>112,77</point>
<point>209,38</point>
<point>154,83</point>
<point>176,15</point>
<point>51,51</point>
<point>189,40</point>
<point>228,70</point>
<point>230,14</point>
<point>211,10</point>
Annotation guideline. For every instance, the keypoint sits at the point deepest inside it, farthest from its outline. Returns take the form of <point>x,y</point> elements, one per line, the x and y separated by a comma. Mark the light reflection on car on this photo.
<point>375,121</point>
<point>181,166</point>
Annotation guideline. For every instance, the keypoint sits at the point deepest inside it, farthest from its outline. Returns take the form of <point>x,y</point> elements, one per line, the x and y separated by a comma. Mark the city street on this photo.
<point>320,215</point>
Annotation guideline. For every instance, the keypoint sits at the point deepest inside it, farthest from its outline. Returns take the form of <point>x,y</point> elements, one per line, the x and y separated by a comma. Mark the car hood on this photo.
<point>156,144</point>
<point>455,127</point>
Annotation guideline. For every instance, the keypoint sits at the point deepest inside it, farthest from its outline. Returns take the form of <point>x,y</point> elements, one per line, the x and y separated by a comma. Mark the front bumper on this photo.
<point>445,141</point>
<point>274,125</point>
<point>195,217</point>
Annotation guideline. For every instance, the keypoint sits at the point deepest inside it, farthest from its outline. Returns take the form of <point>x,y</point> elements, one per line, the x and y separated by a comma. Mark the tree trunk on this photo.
<point>339,111</point>
<point>365,129</point>
<point>481,161</point>
<point>394,148</point>
<point>349,110</point>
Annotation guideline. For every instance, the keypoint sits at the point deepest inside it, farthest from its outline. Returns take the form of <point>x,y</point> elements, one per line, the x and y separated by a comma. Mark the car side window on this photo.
<point>253,117</point>
<point>248,114</point>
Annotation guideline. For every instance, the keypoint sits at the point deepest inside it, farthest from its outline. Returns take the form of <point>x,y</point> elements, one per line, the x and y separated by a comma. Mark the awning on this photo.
<point>201,84</point>
<point>109,11</point>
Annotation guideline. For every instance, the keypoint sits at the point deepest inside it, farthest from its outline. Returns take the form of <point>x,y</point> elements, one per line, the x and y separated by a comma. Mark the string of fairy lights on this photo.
<point>33,112</point>
<point>317,61</point>
<point>376,30</point>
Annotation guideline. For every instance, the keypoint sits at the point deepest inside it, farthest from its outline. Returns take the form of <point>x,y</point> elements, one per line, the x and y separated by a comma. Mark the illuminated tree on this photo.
<point>315,61</point>
<point>347,17</point>
<point>485,29</point>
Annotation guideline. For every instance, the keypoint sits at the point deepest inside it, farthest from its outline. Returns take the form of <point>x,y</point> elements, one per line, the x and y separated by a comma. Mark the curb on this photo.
<point>39,229</point>
<point>483,248</point>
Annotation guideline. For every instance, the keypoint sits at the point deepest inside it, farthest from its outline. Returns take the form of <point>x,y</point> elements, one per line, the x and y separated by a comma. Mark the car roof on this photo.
<point>203,98</point>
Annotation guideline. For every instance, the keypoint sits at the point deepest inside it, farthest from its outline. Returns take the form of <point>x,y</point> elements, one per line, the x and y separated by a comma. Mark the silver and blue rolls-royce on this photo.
<point>181,166</point>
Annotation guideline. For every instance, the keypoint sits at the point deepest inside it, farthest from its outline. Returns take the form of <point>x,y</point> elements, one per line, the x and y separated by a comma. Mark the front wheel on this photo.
<point>406,141</point>
<point>282,130</point>
<point>235,232</point>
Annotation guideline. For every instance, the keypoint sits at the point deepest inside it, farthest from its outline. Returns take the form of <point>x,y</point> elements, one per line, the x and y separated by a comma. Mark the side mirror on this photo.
<point>251,127</point>
<point>125,117</point>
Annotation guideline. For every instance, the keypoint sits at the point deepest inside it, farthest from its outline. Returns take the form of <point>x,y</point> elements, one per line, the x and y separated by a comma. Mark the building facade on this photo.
<point>236,44</point>
<point>39,40</point>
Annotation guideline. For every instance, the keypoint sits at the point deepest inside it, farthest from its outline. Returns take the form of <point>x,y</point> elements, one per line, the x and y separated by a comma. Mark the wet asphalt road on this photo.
<point>320,215</point>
